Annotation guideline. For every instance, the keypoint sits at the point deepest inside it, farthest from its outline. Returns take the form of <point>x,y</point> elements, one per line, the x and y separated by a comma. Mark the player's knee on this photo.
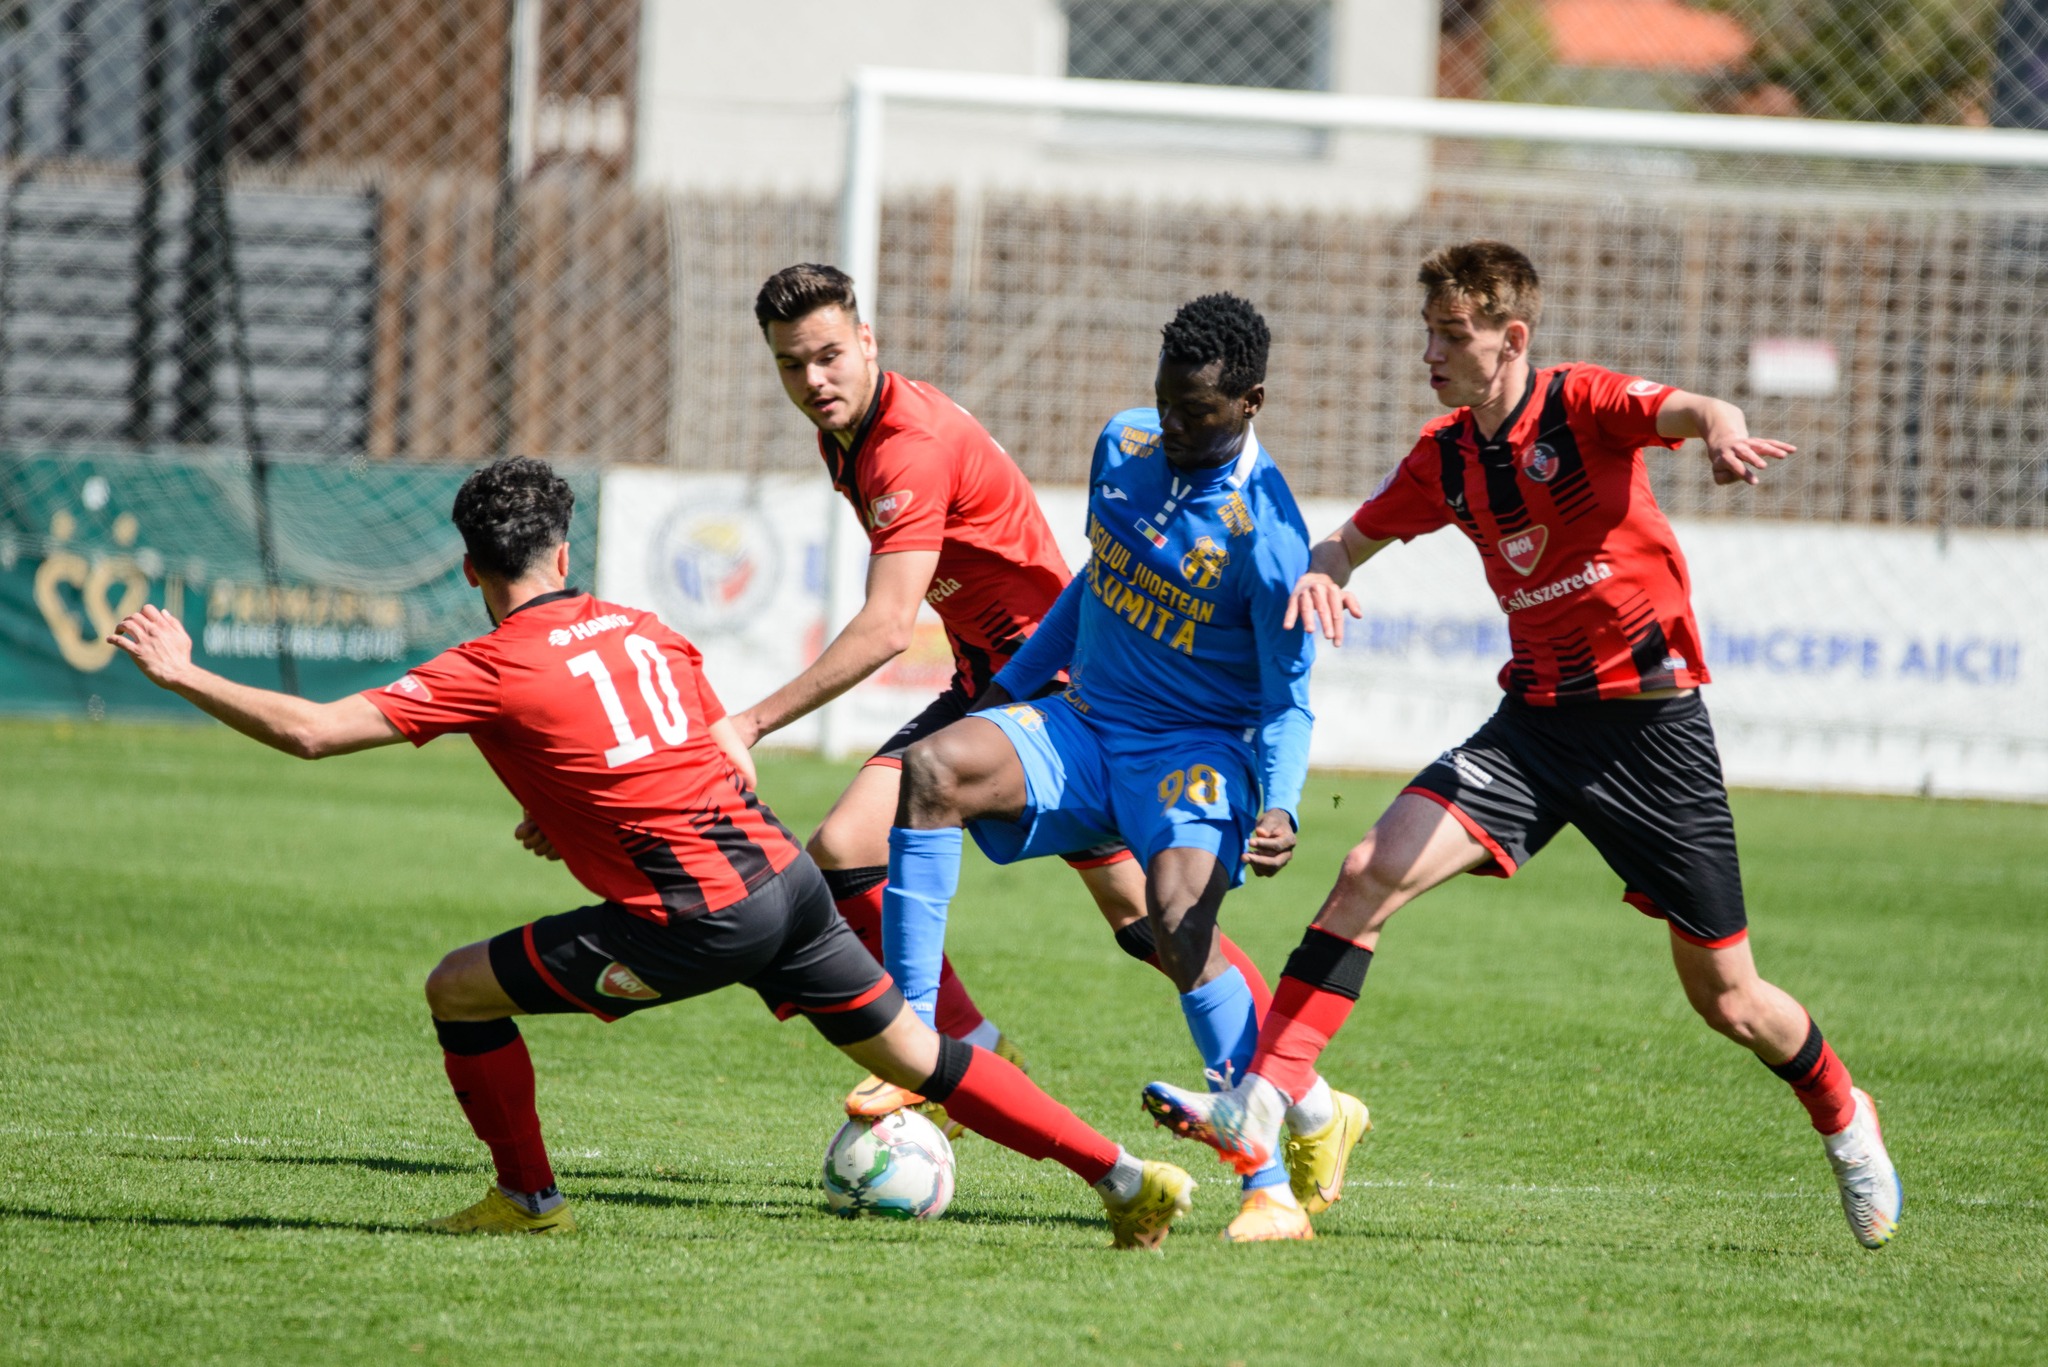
<point>931,781</point>
<point>445,994</point>
<point>830,845</point>
<point>1370,875</point>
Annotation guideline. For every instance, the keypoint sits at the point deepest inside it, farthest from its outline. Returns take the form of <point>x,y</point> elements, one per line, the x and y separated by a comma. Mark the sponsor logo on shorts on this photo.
<point>1203,565</point>
<point>1540,464</point>
<point>1643,389</point>
<point>886,508</point>
<point>583,631</point>
<point>1524,549</point>
<point>1030,718</point>
<point>1593,573</point>
<point>410,687</point>
<point>1468,770</point>
<point>617,980</point>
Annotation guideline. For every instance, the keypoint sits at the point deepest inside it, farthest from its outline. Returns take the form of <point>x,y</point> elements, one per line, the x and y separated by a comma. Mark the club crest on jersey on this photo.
<point>617,980</point>
<point>1540,464</point>
<point>886,508</point>
<point>1203,565</point>
<point>1524,549</point>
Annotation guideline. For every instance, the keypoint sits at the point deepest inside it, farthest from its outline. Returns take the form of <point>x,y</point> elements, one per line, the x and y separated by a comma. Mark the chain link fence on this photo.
<point>378,230</point>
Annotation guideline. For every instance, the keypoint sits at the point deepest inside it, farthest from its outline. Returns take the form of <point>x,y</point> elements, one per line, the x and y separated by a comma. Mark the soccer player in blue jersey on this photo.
<point>1184,729</point>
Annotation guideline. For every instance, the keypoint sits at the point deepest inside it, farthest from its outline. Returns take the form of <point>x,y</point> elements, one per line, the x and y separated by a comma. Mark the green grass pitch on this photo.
<point>221,1105</point>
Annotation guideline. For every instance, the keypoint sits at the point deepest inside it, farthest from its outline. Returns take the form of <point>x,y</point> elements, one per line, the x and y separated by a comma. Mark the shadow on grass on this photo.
<point>201,1222</point>
<point>412,1166</point>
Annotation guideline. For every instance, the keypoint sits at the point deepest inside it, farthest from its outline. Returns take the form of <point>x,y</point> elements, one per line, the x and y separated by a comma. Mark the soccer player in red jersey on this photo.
<point>951,521</point>
<point>599,720</point>
<point>1602,727</point>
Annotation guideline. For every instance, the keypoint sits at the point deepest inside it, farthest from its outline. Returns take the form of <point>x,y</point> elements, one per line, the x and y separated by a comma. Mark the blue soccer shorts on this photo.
<point>1086,782</point>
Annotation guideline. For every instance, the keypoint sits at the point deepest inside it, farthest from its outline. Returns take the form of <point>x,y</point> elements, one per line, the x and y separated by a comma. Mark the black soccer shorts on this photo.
<point>1640,780</point>
<point>786,941</point>
<point>949,707</point>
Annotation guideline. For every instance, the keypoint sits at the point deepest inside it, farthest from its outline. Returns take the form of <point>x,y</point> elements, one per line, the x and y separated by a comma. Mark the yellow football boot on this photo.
<point>1166,1194</point>
<point>1316,1162</point>
<point>1263,1217</point>
<point>1009,1053</point>
<point>498,1213</point>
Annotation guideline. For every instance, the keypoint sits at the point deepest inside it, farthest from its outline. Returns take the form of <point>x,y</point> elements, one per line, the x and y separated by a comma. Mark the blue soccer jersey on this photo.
<point>1175,622</point>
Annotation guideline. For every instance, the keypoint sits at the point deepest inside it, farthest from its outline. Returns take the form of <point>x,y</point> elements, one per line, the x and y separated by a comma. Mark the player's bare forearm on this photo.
<point>728,738</point>
<point>161,649</point>
<point>878,633</point>
<point>864,647</point>
<point>1736,456</point>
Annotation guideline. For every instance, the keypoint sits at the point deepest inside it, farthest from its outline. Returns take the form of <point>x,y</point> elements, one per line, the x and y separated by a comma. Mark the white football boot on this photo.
<point>1871,1195</point>
<point>1241,1123</point>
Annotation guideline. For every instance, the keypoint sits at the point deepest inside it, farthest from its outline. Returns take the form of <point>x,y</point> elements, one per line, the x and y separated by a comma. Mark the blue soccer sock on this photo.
<point>924,872</point>
<point>1224,1020</point>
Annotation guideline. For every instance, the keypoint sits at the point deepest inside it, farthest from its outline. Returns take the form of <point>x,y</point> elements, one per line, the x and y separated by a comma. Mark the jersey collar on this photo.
<point>1505,437</point>
<point>555,597</point>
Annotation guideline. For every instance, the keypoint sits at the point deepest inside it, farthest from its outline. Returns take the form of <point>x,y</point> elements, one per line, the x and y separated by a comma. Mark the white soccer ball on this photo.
<point>899,1167</point>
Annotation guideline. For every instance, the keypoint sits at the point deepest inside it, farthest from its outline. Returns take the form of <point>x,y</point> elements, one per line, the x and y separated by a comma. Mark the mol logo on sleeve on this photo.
<point>888,507</point>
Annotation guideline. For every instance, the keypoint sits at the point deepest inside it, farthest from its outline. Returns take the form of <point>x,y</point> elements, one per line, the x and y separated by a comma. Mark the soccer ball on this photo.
<point>899,1166</point>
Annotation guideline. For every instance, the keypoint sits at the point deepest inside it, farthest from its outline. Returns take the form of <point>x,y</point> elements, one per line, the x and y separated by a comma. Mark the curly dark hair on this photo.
<point>511,513</point>
<point>1219,327</point>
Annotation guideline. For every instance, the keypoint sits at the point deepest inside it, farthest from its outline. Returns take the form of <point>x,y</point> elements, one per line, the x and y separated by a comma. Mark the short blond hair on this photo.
<point>1495,281</point>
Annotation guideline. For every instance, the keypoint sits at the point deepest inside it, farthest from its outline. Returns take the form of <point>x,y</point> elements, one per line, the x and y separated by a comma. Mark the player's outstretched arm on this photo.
<point>1735,454</point>
<point>1319,600</point>
<point>878,633</point>
<point>157,642</point>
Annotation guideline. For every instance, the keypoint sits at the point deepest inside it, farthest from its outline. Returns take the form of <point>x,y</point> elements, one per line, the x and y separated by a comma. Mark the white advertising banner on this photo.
<point>1859,658</point>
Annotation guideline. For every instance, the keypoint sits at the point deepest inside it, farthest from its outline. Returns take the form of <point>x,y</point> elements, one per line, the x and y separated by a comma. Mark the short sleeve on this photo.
<point>1624,407</point>
<point>908,480</point>
<point>1408,503</point>
<point>457,690</point>
<point>707,697</point>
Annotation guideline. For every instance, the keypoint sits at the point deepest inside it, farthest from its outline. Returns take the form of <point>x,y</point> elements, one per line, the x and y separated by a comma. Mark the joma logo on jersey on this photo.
<point>617,980</point>
<point>888,507</point>
<point>1203,565</point>
<point>1524,549</point>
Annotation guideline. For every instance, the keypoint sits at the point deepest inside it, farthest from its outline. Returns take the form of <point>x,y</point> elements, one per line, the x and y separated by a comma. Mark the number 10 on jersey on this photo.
<point>671,723</point>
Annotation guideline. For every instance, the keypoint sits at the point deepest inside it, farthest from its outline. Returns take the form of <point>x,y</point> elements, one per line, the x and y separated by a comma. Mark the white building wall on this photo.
<point>750,98</point>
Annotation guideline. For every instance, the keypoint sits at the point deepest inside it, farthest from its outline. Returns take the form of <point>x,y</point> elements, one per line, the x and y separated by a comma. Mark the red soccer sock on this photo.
<point>1296,1031</point>
<point>995,1100</point>
<point>957,1014</point>
<point>496,1093</point>
<point>1820,1081</point>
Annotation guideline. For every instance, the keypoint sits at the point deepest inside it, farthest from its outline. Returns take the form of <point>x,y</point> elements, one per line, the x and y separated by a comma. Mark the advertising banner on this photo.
<point>1857,658</point>
<point>369,576</point>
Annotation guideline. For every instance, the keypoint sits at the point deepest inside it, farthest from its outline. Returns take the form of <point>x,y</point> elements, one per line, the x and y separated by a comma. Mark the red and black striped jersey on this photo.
<point>597,718</point>
<point>1576,550</point>
<point>923,475</point>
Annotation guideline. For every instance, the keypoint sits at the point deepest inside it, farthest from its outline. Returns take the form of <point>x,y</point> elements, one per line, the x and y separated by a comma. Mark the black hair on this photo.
<point>511,513</point>
<point>1219,327</point>
<point>799,291</point>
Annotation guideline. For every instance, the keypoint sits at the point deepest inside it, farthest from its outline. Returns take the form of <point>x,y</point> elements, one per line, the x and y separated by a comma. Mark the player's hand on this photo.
<point>157,642</point>
<point>746,726</point>
<point>1740,458</point>
<point>527,833</point>
<point>1272,843</point>
<point>1319,600</point>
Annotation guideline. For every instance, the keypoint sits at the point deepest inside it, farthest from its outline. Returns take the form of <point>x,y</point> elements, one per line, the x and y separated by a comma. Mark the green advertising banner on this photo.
<point>368,581</point>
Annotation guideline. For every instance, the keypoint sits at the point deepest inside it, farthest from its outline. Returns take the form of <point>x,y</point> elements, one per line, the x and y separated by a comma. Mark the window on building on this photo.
<point>1275,44</point>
